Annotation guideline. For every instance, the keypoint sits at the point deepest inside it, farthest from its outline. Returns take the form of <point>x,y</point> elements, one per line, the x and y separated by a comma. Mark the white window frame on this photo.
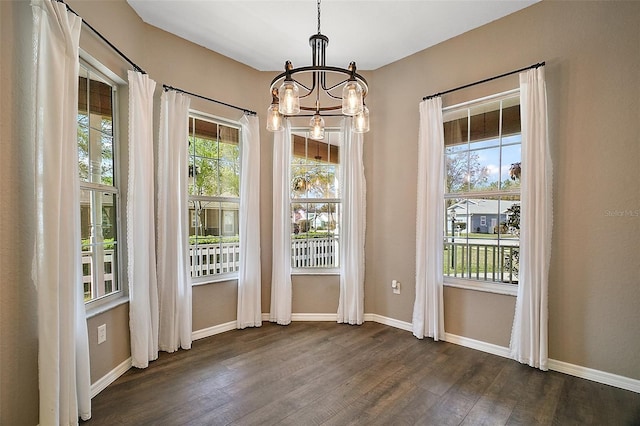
<point>101,304</point>
<point>468,283</point>
<point>226,276</point>
<point>334,270</point>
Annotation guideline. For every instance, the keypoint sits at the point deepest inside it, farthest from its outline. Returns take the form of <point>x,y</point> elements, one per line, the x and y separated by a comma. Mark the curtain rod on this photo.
<point>247,111</point>
<point>122,55</point>
<point>538,65</point>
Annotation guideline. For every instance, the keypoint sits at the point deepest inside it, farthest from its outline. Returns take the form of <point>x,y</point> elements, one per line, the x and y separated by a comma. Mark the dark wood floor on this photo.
<point>311,373</point>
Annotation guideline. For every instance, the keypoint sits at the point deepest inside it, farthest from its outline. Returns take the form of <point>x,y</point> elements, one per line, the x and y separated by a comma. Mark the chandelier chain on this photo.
<point>318,16</point>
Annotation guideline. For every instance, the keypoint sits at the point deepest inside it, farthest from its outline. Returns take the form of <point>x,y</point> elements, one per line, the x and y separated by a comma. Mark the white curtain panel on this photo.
<point>174,280</point>
<point>529,337</point>
<point>354,186</point>
<point>428,313</point>
<point>281,263</point>
<point>141,245</point>
<point>63,346</point>
<point>249,274</point>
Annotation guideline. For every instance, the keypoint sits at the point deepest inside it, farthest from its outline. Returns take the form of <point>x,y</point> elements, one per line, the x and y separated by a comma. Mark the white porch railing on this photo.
<point>92,288</point>
<point>315,253</point>
<point>484,262</point>
<point>211,259</point>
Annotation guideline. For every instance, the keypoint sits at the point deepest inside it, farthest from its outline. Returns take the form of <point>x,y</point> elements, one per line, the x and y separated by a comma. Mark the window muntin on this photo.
<point>214,198</point>
<point>99,193</point>
<point>315,201</point>
<point>482,191</point>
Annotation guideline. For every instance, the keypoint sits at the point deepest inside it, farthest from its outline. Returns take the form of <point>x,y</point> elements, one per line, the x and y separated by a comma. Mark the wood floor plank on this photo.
<point>331,374</point>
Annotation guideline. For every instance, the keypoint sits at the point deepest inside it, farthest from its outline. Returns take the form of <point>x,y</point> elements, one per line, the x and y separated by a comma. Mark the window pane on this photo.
<point>488,163</point>
<point>229,135</point>
<point>83,147</point>
<point>229,178</point>
<point>484,124</point>
<point>299,182</point>
<point>332,190</point>
<point>511,167</point>
<point>95,129</point>
<point>318,182</point>
<point>214,237</point>
<point>458,174</point>
<point>106,169</point>
<point>206,148</point>
<point>206,177</point>
<point>299,148</point>
<point>98,231</point>
<point>315,231</point>
<point>484,244</point>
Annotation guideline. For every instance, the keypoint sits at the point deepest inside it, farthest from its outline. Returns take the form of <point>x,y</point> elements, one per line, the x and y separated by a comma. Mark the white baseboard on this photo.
<point>314,317</point>
<point>216,329</point>
<point>102,383</point>
<point>603,377</point>
<point>392,322</point>
<point>307,317</point>
<point>477,345</point>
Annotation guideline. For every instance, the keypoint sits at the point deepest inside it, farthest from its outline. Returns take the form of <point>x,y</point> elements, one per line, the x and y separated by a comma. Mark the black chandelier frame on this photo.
<point>319,71</point>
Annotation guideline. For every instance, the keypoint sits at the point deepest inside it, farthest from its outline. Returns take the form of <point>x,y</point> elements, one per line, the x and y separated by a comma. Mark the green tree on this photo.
<point>464,172</point>
<point>312,179</point>
<point>214,168</point>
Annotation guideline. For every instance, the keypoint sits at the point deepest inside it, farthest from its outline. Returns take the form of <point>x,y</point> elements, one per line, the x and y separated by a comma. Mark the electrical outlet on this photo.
<point>102,333</point>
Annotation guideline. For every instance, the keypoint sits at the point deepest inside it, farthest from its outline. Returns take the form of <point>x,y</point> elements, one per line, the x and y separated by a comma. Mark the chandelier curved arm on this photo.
<point>314,68</point>
<point>319,69</point>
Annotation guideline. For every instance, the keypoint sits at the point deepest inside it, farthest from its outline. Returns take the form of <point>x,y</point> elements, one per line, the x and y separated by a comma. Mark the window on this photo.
<point>214,198</point>
<point>315,200</point>
<point>99,194</point>
<point>482,191</point>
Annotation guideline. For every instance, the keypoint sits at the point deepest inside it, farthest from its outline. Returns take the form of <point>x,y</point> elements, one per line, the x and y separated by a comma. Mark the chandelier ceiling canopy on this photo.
<point>320,90</point>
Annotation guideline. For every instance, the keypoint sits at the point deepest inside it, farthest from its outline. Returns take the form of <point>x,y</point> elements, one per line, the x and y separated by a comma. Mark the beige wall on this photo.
<point>116,349</point>
<point>592,50</point>
<point>316,294</point>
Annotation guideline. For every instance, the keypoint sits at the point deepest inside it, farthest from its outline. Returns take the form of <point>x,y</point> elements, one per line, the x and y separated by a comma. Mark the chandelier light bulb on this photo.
<point>361,121</point>
<point>274,119</point>
<point>317,127</point>
<point>351,98</point>
<point>289,96</point>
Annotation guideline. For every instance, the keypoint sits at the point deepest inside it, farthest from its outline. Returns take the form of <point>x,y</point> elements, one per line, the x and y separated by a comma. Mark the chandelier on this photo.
<point>320,90</point>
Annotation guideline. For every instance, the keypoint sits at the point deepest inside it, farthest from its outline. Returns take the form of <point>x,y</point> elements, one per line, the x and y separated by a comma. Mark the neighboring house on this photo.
<point>214,221</point>
<point>480,216</point>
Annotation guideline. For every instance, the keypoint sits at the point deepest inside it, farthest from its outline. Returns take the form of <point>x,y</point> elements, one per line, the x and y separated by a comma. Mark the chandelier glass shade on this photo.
<point>318,90</point>
<point>361,121</point>
<point>317,127</point>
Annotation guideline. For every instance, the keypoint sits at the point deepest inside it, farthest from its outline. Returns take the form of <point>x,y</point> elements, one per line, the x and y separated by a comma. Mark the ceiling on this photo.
<point>372,33</point>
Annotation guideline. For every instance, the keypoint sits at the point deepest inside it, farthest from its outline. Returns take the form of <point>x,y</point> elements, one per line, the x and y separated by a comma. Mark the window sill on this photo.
<point>315,271</point>
<point>483,286</point>
<point>212,279</point>
<point>92,311</point>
